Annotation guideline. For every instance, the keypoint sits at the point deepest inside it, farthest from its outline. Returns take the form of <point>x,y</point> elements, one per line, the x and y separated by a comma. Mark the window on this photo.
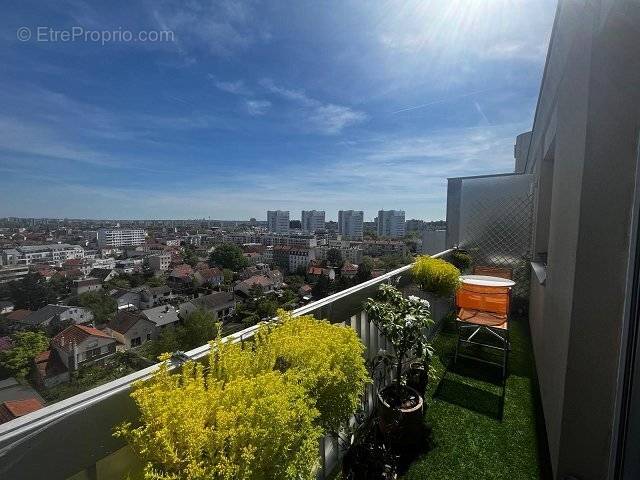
<point>148,336</point>
<point>136,342</point>
<point>94,352</point>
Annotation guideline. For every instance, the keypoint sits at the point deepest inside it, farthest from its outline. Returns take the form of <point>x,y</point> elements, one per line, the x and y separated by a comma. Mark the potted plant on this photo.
<point>404,321</point>
<point>461,260</point>
<point>439,280</point>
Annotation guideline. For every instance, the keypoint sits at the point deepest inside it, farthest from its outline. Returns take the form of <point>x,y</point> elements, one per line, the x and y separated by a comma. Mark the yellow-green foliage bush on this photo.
<point>258,411</point>
<point>326,359</point>
<point>435,275</point>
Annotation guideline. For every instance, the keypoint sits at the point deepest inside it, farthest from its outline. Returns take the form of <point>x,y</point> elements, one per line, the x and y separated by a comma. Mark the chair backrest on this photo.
<point>501,272</point>
<point>486,299</point>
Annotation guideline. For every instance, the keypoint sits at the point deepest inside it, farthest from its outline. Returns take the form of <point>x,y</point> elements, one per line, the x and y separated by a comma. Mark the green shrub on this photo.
<point>258,411</point>
<point>328,360</point>
<point>461,260</point>
<point>196,426</point>
<point>435,275</point>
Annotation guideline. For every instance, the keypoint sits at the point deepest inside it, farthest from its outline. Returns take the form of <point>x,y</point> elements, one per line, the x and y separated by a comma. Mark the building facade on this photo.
<point>52,254</point>
<point>391,223</point>
<point>312,220</point>
<point>278,221</point>
<point>120,237</point>
<point>159,263</point>
<point>351,224</point>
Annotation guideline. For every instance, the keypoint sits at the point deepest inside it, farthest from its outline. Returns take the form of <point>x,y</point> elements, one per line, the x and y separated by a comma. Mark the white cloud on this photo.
<point>257,107</point>
<point>236,88</point>
<point>220,27</point>
<point>325,118</point>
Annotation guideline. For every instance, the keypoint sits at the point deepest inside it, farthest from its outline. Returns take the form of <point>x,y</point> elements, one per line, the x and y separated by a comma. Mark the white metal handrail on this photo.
<point>22,428</point>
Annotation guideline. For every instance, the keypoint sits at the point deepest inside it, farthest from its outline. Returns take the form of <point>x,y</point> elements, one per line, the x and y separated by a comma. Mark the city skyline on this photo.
<point>358,104</point>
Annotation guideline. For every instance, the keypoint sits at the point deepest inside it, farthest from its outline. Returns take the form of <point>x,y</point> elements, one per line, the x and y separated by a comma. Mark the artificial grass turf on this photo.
<point>477,434</point>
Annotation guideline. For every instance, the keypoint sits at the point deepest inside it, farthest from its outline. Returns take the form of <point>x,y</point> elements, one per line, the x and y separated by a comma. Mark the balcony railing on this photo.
<point>72,439</point>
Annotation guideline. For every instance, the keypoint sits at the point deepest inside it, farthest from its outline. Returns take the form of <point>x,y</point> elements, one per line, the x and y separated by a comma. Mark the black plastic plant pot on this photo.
<point>418,377</point>
<point>401,411</point>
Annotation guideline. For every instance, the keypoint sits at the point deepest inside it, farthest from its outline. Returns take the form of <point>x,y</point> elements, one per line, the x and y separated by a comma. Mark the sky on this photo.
<point>205,109</point>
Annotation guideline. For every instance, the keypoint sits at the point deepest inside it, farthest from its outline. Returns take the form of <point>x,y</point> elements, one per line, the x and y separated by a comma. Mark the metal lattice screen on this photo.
<point>496,224</point>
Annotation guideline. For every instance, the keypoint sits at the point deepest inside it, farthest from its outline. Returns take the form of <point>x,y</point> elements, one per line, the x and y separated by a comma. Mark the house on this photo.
<point>257,269</point>
<point>131,329</point>
<point>268,285</point>
<point>17,399</point>
<point>85,285</point>
<point>211,277</point>
<point>181,278</point>
<point>153,296</point>
<point>162,316</point>
<point>349,270</point>
<point>49,370</point>
<point>305,290</point>
<point>126,298</point>
<point>57,314</point>
<point>79,345</point>
<point>221,304</point>
<point>103,274</point>
<point>316,271</point>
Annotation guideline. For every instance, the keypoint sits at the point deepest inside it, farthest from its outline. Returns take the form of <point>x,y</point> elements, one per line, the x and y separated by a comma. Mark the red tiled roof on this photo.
<point>73,261</point>
<point>19,314</point>
<point>77,334</point>
<point>212,272</point>
<point>182,271</point>
<point>16,408</point>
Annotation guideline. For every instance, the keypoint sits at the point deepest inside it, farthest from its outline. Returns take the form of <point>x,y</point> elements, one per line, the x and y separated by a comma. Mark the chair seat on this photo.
<point>486,319</point>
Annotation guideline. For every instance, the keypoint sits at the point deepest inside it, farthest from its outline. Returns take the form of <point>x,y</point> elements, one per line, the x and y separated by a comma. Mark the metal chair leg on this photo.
<point>455,357</point>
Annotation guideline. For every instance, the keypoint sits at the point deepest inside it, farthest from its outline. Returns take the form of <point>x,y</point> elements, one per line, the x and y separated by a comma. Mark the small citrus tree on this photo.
<point>402,320</point>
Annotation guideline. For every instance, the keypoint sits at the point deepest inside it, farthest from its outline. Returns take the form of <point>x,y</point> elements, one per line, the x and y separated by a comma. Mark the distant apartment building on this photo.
<point>350,224</point>
<point>52,254</point>
<point>391,223</point>
<point>278,221</point>
<point>120,237</point>
<point>13,272</point>
<point>306,241</point>
<point>348,254</point>
<point>312,220</point>
<point>380,248</point>
<point>292,258</point>
<point>159,263</point>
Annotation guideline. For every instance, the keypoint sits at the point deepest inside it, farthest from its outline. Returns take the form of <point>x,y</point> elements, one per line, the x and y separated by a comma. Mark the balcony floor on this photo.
<point>474,437</point>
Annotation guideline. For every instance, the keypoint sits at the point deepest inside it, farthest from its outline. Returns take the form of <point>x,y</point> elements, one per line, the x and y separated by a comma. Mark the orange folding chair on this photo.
<point>483,310</point>
<point>501,272</point>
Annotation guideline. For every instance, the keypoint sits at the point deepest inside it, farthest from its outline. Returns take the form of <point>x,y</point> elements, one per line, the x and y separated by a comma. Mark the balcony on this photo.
<point>477,425</point>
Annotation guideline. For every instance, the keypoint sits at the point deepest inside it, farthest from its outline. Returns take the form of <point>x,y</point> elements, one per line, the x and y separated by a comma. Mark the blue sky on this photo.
<point>253,106</point>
